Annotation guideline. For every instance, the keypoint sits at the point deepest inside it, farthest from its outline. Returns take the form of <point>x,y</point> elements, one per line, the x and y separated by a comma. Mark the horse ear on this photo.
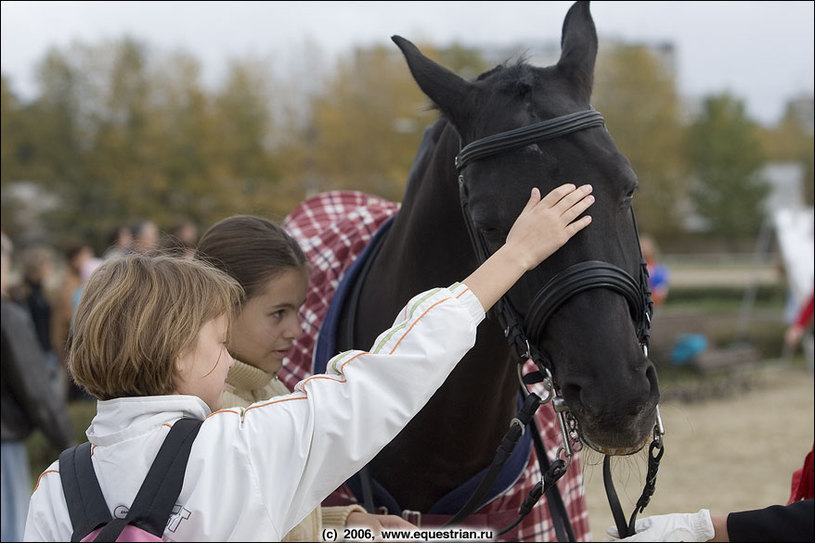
<point>578,46</point>
<point>443,87</point>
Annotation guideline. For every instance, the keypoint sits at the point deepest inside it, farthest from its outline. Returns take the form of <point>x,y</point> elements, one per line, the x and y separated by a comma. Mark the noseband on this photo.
<point>584,276</point>
<point>573,280</point>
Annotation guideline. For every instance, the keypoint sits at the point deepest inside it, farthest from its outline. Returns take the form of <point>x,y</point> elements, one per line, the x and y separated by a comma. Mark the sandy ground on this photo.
<point>726,454</point>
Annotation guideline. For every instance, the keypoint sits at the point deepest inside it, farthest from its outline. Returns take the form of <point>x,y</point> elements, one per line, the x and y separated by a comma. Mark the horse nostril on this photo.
<point>572,393</point>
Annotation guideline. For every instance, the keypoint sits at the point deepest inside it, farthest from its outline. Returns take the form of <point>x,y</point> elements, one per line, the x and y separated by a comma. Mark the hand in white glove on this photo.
<point>673,527</point>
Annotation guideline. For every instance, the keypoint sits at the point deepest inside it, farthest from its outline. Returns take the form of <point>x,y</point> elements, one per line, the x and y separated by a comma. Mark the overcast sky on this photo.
<point>760,51</point>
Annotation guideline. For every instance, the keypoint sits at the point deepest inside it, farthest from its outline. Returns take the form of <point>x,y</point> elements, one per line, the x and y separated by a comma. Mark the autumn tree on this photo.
<point>248,175</point>
<point>188,143</point>
<point>15,151</point>
<point>119,133</point>
<point>792,140</point>
<point>636,92</point>
<point>726,157</point>
<point>61,134</point>
<point>367,124</point>
<point>14,144</point>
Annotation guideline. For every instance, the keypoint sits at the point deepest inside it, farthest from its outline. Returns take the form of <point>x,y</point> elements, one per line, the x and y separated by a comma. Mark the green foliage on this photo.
<point>792,141</point>
<point>637,94</point>
<point>119,132</point>
<point>726,154</point>
<point>118,137</point>
<point>464,61</point>
<point>372,98</point>
<point>14,146</point>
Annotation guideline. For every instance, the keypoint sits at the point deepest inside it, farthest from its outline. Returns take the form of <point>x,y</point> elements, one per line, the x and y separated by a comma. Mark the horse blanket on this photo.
<point>335,229</point>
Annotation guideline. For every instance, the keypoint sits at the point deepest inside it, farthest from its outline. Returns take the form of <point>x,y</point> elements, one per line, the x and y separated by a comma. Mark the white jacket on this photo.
<point>259,471</point>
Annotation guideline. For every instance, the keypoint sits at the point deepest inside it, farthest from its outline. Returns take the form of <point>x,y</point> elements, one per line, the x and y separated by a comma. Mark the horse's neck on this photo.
<point>428,246</point>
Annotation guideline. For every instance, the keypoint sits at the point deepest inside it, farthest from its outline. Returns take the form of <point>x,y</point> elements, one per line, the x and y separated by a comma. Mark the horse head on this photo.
<point>584,311</point>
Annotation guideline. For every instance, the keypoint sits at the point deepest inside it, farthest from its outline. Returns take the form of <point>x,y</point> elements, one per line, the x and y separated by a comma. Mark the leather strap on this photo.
<point>156,497</point>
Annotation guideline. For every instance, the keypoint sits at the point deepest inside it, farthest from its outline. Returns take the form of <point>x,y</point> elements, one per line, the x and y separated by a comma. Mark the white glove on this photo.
<point>673,527</point>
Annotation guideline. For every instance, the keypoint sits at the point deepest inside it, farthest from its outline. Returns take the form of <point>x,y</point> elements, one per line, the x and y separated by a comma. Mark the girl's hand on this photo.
<point>542,228</point>
<point>546,224</point>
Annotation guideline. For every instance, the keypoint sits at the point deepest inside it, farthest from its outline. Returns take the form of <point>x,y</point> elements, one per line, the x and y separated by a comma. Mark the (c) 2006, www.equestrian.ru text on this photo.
<point>450,534</point>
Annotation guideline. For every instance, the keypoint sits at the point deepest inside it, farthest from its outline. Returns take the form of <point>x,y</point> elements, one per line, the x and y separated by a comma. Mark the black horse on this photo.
<point>515,127</point>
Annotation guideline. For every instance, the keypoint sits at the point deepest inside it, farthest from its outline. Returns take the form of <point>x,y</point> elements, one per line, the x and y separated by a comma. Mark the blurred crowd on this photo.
<point>48,280</point>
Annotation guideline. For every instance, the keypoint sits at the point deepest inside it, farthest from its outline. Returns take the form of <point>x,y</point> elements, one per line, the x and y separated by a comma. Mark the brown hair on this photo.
<point>136,315</point>
<point>251,249</point>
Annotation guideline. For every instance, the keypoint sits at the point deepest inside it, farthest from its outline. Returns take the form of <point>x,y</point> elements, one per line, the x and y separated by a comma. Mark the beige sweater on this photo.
<point>246,385</point>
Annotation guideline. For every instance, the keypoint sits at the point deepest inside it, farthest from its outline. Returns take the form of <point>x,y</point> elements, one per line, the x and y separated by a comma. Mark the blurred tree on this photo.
<point>121,171</point>
<point>300,76</point>
<point>726,157</point>
<point>14,146</point>
<point>636,92</point>
<point>247,176</point>
<point>366,125</point>
<point>465,61</point>
<point>792,140</point>
<point>60,131</point>
<point>186,157</point>
<point>119,134</point>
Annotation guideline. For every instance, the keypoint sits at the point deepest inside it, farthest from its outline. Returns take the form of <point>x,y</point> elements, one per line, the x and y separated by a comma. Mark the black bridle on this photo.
<point>575,279</point>
<point>527,135</point>
<point>571,281</point>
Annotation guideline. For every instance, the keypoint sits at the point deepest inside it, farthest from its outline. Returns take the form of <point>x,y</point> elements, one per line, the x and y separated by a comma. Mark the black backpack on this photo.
<point>148,515</point>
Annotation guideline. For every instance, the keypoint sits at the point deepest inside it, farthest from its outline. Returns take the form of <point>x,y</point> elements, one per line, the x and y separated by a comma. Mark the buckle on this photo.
<point>413,517</point>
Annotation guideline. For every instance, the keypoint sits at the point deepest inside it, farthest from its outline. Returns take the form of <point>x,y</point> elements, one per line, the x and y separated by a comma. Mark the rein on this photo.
<point>575,279</point>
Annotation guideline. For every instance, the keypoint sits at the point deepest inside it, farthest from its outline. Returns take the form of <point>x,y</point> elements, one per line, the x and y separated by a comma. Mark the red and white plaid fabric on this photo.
<point>333,228</point>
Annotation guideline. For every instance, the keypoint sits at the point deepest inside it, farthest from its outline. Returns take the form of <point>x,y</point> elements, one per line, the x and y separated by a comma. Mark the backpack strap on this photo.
<point>86,504</point>
<point>154,502</point>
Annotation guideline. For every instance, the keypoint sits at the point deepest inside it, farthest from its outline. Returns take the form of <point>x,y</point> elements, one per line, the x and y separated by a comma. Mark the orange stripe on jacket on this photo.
<point>43,474</point>
<point>414,324</point>
<point>331,378</point>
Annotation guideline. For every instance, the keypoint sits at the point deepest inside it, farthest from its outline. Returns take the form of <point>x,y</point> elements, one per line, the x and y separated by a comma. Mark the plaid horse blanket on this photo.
<point>334,229</point>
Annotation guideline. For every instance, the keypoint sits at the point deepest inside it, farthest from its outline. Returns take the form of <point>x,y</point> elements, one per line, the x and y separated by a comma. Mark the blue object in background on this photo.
<point>687,348</point>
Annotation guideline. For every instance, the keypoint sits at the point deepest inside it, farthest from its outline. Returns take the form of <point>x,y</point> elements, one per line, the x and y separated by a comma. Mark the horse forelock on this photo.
<point>516,79</point>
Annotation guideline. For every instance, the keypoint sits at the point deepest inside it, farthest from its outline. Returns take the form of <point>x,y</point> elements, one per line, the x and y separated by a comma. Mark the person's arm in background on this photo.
<point>795,331</point>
